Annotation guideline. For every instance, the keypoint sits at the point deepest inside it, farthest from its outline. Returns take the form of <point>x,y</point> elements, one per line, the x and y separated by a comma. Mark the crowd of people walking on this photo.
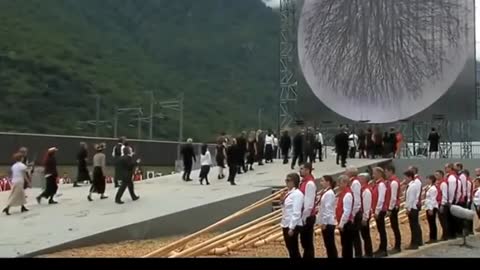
<point>22,170</point>
<point>375,195</point>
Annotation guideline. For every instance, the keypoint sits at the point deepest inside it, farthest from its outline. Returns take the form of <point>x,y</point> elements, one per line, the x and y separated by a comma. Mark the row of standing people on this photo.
<point>361,200</point>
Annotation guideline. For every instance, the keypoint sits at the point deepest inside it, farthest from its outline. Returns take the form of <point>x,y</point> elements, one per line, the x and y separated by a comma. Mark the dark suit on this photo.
<point>126,165</point>
<point>341,146</point>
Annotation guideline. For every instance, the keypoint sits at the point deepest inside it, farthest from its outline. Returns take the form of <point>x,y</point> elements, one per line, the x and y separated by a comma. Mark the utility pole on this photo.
<point>115,123</point>
<point>180,122</point>
<point>152,104</point>
<point>97,116</point>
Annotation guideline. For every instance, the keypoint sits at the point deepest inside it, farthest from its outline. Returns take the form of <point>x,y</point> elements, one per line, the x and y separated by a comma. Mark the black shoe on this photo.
<point>52,202</point>
<point>201,183</point>
<point>6,211</point>
<point>411,247</point>
<point>103,197</point>
<point>24,209</point>
<point>89,198</point>
<point>119,202</point>
<point>189,180</point>
<point>431,242</point>
<point>239,173</point>
<point>39,199</point>
<point>136,198</point>
<point>208,183</point>
<point>380,254</point>
<point>76,185</point>
<point>395,250</point>
<point>233,183</point>
<point>116,186</point>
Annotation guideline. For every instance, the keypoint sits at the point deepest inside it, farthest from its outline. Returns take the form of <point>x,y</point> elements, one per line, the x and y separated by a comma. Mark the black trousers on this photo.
<point>116,181</point>
<point>187,169</point>
<point>291,242</point>
<point>329,241</point>
<point>346,236</point>
<point>367,240</point>
<point>415,229</point>
<point>320,152</point>
<point>299,156</point>
<point>432,224</point>
<point>380,220</point>
<point>125,184</point>
<point>285,155</point>
<point>452,225</point>
<point>241,165</point>
<point>470,222</point>
<point>357,241</point>
<point>306,238</point>
<point>443,218</point>
<point>343,158</point>
<point>352,152</point>
<point>310,155</point>
<point>232,172</point>
<point>395,228</point>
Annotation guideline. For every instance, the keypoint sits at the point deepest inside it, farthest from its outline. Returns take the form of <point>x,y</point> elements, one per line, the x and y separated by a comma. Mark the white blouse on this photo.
<point>292,209</point>
<point>327,209</point>
<point>269,140</point>
<point>431,198</point>
<point>206,160</point>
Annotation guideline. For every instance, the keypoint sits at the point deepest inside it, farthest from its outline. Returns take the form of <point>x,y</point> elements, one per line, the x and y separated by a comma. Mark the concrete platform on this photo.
<point>168,206</point>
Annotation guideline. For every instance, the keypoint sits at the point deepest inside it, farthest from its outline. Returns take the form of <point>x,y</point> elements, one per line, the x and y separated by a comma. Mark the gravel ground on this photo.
<point>131,249</point>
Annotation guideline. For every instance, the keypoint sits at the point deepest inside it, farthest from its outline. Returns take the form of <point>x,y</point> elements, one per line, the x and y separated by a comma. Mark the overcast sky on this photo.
<point>276,3</point>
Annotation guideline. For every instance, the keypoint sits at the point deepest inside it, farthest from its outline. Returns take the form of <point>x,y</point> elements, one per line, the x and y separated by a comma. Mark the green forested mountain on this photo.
<point>56,54</point>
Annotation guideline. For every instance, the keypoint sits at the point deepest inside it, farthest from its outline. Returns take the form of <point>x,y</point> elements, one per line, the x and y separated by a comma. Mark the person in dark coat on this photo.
<point>220,156</point>
<point>260,147</point>
<point>51,174</point>
<point>126,166</point>
<point>434,141</point>
<point>341,146</point>
<point>82,170</point>
<point>309,146</point>
<point>242,146</point>
<point>285,146</point>
<point>116,154</point>
<point>298,142</point>
<point>188,154</point>
<point>251,149</point>
<point>369,143</point>
<point>362,143</point>
<point>392,139</point>
<point>233,154</point>
<point>377,143</point>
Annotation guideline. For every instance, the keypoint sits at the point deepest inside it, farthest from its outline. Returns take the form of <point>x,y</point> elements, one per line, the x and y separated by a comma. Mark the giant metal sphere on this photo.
<point>384,60</point>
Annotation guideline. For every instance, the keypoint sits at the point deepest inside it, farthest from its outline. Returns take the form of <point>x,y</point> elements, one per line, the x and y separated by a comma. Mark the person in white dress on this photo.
<point>17,194</point>
<point>431,205</point>
<point>327,215</point>
<point>292,204</point>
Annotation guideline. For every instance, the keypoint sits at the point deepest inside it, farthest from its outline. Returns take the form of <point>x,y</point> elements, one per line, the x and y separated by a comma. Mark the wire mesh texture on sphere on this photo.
<point>275,249</point>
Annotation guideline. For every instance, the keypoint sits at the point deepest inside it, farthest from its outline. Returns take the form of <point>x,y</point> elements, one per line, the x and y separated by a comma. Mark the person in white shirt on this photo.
<point>344,216</point>
<point>206,163</point>
<point>441,183</point>
<point>452,181</point>
<point>327,215</point>
<point>356,188</point>
<point>352,144</point>
<point>366,211</point>
<point>319,146</point>
<point>275,146</point>
<point>411,206</point>
<point>116,154</point>
<point>17,194</point>
<point>462,189</point>
<point>394,207</point>
<point>476,198</point>
<point>292,203</point>
<point>431,205</point>
<point>379,209</point>
<point>309,190</point>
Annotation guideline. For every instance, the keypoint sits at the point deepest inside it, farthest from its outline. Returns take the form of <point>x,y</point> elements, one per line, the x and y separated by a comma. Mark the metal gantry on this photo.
<point>288,82</point>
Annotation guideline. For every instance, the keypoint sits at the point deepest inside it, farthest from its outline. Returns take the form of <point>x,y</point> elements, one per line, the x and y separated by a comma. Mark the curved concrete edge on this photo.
<point>424,248</point>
